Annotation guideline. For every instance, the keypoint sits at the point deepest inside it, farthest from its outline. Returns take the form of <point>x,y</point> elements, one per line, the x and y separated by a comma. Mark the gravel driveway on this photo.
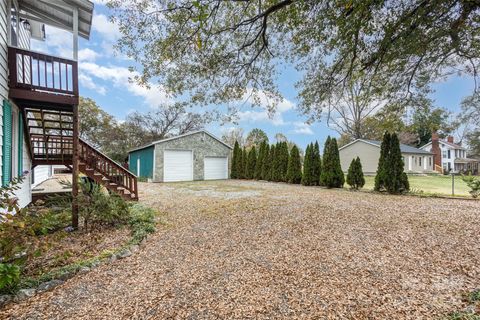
<point>243,250</point>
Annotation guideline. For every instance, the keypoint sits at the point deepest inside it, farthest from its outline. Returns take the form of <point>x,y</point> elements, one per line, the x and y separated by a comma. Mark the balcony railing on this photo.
<point>34,75</point>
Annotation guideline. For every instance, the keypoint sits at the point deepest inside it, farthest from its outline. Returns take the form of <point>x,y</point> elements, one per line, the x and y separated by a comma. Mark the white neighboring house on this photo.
<point>450,155</point>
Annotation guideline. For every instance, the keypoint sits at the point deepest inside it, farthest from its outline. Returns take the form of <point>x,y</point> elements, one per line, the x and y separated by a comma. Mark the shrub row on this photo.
<point>278,163</point>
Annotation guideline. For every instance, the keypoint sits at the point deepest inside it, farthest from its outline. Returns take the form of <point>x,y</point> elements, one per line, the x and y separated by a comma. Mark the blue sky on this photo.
<point>103,76</point>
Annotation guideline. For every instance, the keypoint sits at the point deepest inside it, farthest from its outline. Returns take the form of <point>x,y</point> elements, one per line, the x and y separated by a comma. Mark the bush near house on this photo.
<point>33,239</point>
<point>474,184</point>
<point>355,178</point>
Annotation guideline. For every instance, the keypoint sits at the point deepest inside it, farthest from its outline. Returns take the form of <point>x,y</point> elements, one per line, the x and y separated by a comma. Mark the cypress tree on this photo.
<point>382,163</point>
<point>307,166</point>
<point>235,158</point>
<point>244,163</point>
<point>266,163</point>
<point>332,175</point>
<point>355,178</point>
<point>260,161</point>
<point>316,165</point>
<point>239,164</point>
<point>271,173</point>
<point>294,170</point>
<point>251,162</point>
<point>277,163</point>
<point>284,156</point>
<point>396,180</point>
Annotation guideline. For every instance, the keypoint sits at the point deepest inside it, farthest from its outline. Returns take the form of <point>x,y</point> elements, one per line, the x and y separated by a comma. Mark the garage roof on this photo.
<point>59,13</point>
<point>181,136</point>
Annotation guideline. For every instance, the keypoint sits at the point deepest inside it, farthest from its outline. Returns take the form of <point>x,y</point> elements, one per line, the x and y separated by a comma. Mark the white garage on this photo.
<point>216,168</point>
<point>178,165</point>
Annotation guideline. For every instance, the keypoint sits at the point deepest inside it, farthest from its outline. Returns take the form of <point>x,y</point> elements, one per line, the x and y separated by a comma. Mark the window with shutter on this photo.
<point>7,143</point>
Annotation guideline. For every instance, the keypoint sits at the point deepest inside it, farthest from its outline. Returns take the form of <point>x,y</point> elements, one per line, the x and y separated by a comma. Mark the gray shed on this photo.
<point>197,155</point>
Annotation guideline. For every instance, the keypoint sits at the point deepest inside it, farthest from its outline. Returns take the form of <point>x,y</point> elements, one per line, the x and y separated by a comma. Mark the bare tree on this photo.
<point>167,121</point>
<point>352,104</point>
<point>234,135</point>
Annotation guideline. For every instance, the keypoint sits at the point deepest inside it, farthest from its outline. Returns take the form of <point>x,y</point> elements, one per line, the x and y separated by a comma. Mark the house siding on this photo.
<point>201,144</point>
<point>41,174</point>
<point>3,72</point>
<point>369,155</point>
<point>146,162</point>
<point>24,192</point>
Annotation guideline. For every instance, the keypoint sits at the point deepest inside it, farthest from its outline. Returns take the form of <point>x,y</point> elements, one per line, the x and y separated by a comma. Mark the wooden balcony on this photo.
<point>41,80</point>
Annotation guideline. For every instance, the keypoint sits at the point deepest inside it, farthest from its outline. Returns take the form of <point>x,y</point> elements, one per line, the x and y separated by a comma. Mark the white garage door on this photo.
<point>216,168</point>
<point>177,165</point>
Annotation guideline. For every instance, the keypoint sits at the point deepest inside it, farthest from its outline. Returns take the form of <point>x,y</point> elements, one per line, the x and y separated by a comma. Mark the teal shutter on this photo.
<point>20,144</point>
<point>7,143</point>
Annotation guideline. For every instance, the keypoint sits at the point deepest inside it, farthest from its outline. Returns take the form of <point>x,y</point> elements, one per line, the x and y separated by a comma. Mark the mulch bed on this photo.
<point>64,248</point>
<point>281,251</point>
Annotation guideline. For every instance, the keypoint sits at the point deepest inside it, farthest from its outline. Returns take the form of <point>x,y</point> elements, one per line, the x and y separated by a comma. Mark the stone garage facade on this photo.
<point>194,156</point>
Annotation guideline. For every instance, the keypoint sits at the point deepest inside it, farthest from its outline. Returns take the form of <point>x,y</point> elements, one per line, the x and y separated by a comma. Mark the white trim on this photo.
<point>138,167</point>
<point>75,33</point>
<point>181,136</point>
<point>153,169</point>
<point>357,140</point>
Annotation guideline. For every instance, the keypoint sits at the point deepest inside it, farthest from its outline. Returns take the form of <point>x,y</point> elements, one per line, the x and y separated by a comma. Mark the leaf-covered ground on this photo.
<point>240,249</point>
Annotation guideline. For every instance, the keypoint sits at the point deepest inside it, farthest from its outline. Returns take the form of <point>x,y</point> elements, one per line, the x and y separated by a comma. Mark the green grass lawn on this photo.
<point>429,184</point>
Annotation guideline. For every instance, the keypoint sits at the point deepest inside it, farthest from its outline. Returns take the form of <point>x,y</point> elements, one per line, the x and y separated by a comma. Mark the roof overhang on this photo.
<point>59,13</point>
<point>181,136</point>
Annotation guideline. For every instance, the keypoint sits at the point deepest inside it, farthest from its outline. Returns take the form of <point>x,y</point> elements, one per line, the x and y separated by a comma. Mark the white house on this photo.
<point>30,79</point>
<point>450,155</point>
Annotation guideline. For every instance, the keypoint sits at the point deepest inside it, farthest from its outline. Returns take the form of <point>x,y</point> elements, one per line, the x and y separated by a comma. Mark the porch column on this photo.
<point>409,163</point>
<point>424,163</point>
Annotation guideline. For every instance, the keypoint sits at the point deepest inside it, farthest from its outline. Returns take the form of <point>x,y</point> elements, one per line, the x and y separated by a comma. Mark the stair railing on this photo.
<point>99,162</point>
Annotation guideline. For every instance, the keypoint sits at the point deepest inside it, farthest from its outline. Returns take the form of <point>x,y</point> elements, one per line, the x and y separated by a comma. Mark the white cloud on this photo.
<point>120,76</point>
<point>109,30</point>
<point>87,55</point>
<point>265,100</point>
<point>88,82</point>
<point>302,128</point>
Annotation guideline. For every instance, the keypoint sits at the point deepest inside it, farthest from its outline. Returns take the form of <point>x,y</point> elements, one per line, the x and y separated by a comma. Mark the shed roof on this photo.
<point>181,136</point>
<point>404,148</point>
<point>59,13</point>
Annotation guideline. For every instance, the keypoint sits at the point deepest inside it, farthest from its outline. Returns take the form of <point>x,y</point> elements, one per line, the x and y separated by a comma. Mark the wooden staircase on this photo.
<point>107,172</point>
<point>51,143</point>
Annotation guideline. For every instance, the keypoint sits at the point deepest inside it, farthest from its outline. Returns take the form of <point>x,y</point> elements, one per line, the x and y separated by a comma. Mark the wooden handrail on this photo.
<point>38,71</point>
<point>99,162</point>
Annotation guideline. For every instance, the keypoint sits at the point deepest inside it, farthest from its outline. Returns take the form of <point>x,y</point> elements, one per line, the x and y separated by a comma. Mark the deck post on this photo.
<point>75,169</point>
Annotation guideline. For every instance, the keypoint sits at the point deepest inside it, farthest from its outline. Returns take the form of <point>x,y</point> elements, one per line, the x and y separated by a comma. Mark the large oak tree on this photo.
<point>218,50</point>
